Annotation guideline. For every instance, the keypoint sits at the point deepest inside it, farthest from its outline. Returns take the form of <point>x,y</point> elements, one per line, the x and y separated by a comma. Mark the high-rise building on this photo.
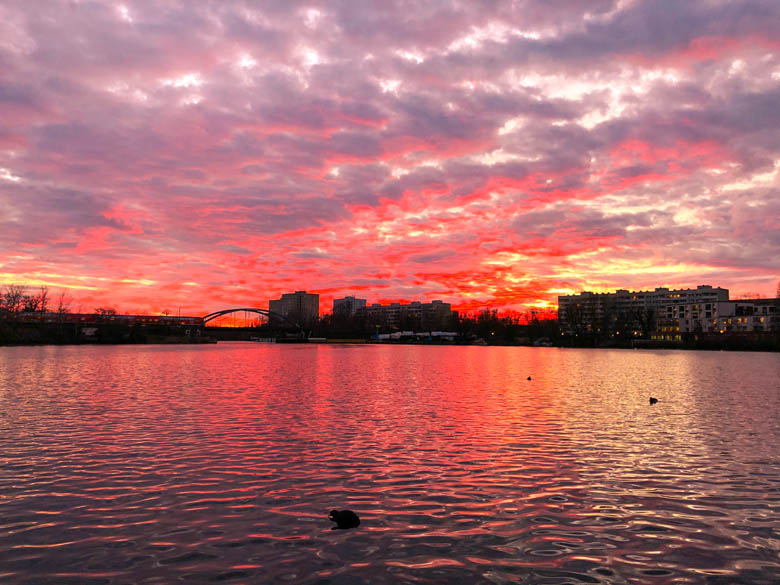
<point>348,306</point>
<point>299,307</point>
<point>436,315</point>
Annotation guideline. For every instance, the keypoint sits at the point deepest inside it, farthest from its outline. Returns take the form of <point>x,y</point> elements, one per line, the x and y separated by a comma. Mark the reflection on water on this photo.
<point>220,464</point>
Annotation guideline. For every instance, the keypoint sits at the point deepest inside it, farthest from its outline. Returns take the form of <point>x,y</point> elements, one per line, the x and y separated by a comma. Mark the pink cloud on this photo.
<point>205,156</point>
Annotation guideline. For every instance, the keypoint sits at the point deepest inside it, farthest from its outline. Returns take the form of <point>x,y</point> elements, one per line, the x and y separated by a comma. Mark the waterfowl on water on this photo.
<point>344,519</point>
<point>529,377</point>
<point>653,400</point>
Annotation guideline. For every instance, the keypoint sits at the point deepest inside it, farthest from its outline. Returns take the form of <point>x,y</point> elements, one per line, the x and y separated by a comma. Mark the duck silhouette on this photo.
<point>529,377</point>
<point>653,400</point>
<point>344,519</point>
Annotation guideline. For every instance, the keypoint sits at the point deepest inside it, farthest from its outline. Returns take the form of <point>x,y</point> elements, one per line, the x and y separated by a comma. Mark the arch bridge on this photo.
<point>264,312</point>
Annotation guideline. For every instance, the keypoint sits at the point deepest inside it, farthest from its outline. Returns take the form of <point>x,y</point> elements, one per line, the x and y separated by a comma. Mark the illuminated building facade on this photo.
<point>723,317</point>
<point>628,312</point>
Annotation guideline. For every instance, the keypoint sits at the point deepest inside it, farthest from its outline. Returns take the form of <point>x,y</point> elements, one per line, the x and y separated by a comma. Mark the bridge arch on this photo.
<point>265,312</point>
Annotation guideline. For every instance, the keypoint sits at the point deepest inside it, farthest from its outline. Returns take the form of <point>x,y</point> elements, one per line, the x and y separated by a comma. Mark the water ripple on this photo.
<point>219,465</point>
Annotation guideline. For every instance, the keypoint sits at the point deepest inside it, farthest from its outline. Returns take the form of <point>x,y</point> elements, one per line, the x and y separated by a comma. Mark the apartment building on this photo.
<point>635,312</point>
<point>299,307</point>
<point>414,315</point>
<point>348,306</point>
<point>723,317</point>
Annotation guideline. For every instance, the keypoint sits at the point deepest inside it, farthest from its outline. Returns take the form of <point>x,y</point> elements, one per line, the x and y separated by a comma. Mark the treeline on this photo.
<point>487,325</point>
<point>16,299</point>
<point>69,333</point>
<point>33,316</point>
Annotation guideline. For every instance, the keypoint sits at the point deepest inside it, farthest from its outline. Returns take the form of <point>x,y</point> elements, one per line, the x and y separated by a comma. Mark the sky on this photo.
<point>195,156</point>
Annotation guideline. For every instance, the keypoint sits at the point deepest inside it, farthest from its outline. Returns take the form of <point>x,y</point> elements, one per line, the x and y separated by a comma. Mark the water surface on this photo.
<point>203,464</point>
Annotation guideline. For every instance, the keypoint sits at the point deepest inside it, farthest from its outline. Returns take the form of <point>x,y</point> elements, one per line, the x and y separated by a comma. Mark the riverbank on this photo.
<point>96,334</point>
<point>18,333</point>
<point>761,345</point>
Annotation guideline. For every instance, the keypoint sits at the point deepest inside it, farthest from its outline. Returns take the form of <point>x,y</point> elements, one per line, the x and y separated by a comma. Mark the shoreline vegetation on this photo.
<point>545,334</point>
<point>24,333</point>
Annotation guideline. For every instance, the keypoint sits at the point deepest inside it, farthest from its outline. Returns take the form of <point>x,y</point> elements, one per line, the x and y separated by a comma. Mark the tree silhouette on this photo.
<point>13,298</point>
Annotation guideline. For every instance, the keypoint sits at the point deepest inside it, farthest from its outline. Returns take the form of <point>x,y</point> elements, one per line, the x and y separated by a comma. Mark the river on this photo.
<point>220,463</point>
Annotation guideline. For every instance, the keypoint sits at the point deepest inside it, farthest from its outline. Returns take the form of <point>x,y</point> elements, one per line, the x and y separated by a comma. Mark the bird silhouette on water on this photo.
<point>344,519</point>
<point>653,400</point>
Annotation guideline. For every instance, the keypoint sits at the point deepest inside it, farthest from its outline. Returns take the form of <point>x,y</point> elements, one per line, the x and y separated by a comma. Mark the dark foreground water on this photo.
<point>211,464</point>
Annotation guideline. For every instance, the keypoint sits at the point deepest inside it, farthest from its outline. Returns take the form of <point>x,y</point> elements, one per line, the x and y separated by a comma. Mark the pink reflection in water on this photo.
<point>200,463</point>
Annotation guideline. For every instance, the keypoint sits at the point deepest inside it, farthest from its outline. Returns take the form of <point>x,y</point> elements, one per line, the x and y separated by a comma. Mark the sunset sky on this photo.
<point>193,156</point>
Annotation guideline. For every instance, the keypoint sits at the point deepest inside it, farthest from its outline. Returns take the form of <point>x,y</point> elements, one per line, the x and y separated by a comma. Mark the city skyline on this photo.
<point>188,157</point>
<point>14,298</point>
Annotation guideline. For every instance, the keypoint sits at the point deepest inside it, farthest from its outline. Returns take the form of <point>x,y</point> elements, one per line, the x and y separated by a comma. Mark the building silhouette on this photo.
<point>412,316</point>
<point>299,307</point>
<point>348,306</point>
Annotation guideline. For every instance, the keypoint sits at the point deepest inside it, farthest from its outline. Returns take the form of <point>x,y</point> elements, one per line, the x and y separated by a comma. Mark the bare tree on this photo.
<point>43,299</point>
<point>34,303</point>
<point>62,308</point>
<point>63,303</point>
<point>645,320</point>
<point>30,304</point>
<point>105,311</point>
<point>574,319</point>
<point>14,298</point>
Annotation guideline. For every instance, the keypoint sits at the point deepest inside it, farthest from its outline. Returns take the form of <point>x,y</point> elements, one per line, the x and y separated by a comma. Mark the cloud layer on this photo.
<point>202,155</point>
